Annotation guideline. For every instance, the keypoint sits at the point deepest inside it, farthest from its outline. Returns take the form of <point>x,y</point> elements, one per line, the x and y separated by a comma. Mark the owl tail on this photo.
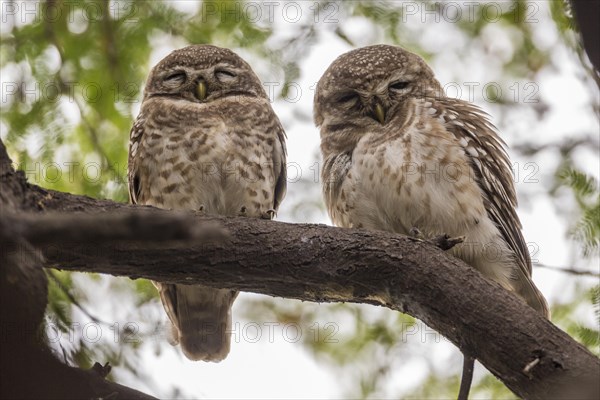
<point>201,318</point>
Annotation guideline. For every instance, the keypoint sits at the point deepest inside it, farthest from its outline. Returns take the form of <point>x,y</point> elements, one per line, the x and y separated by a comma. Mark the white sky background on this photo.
<point>283,369</point>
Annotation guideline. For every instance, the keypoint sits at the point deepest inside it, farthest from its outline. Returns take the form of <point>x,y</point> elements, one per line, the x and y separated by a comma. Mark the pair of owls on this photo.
<point>397,154</point>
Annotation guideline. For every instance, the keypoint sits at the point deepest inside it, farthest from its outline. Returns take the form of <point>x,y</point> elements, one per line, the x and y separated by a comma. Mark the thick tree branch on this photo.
<point>27,368</point>
<point>529,354</point>
<point>319,263</point>
<point>53,228</point>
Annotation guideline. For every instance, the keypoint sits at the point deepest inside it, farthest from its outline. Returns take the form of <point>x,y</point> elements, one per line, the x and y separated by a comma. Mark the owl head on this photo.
<point>203,73</point>
<point>366,88</point>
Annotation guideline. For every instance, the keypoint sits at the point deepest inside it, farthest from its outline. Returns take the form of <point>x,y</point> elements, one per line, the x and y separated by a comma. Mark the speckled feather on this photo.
<point>434,163</point>
<point>223,154</point>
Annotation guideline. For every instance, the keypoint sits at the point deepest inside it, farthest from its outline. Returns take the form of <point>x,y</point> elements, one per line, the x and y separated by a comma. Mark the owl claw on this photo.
<point>269,214</point>
<point>415,233</point>
<point>243,211</point>
<point>445,242</point>
<point>201,210</point>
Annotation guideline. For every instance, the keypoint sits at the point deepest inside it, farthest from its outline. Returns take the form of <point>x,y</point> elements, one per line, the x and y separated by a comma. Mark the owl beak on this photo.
<point>201,90</point>
<point>379,113</point>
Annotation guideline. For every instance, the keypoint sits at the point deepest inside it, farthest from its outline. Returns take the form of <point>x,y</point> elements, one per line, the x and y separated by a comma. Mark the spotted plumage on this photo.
<point>398,155</point>
<point>206,139</point>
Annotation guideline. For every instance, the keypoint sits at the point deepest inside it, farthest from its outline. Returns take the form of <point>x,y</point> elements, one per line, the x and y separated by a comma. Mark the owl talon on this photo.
<point>415,233</point>
<point>269,214</point>
<point>201,210</point>
<point>445,242</point>
<point>243,211</point>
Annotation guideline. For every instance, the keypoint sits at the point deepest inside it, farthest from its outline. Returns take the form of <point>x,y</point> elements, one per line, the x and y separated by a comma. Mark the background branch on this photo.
<point>567,270</point>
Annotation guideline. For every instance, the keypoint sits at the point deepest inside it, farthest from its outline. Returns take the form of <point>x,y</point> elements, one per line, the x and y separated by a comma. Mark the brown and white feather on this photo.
<point>221,152</point>
<point>398,154</point>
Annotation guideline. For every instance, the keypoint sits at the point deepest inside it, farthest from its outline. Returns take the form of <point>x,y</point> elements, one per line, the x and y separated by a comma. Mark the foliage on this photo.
<point>587,194</point>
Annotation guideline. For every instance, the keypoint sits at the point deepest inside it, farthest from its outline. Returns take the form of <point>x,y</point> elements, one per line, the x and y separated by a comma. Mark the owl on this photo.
<point>206,139</point>
<point>400,156</point>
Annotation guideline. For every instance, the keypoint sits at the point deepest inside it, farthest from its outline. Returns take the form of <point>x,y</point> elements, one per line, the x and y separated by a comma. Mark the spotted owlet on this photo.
<point>400,156</point>
<point>206,138</point>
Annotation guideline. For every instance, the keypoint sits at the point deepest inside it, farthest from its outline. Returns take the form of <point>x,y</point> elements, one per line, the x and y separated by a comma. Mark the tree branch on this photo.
<point>137,225</point>
<point>27,368</point>
<point>326,264</point>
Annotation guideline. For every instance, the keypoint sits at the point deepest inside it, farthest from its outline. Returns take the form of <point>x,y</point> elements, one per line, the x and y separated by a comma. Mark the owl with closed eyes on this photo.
<point>206,139</point>
<point>400,156</point>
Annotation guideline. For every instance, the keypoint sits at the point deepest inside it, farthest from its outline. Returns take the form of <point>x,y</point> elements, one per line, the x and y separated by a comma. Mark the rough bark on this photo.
<point>587,13</point>
<point>534,358</point>
<point>27,367</point>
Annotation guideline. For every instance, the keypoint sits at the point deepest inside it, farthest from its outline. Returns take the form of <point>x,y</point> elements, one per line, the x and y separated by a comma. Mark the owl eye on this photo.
<point>224,76</point>
<point>398,85</point>
<point>347,98</point>
<point>176,78</point>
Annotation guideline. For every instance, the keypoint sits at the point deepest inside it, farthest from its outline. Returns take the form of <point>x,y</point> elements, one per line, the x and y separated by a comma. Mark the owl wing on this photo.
<point>486,152</point>
<point>133,178</point>
<point>335,171</point>
<point>167,292</point>
<point>279,164</point>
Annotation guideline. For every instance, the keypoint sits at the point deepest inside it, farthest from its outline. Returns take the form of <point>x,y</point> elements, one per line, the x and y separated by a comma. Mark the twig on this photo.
<point>94,137</point>
<point>103,388</point>
<point>467,377</point>
<point>529,367</point>
<point>73,300</point>
<point>564,146</point>
<point>569,270</point>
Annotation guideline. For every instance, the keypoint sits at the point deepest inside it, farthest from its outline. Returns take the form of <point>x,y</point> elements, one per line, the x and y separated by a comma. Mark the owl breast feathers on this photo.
<point>206,139</point>
<point>398,154</point>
